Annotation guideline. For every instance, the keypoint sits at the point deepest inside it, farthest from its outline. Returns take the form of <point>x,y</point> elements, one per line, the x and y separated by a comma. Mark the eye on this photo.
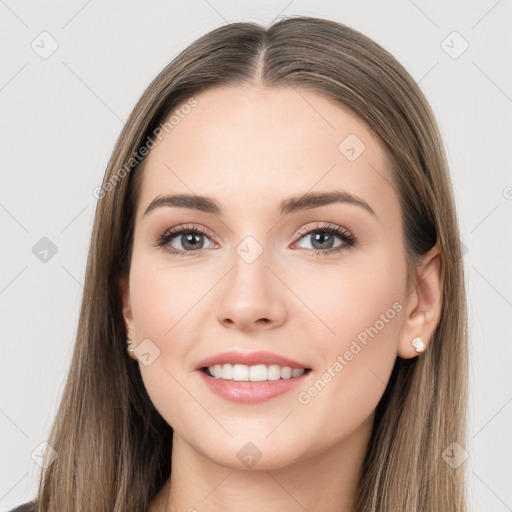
<point>191,240</point>
<point>322,239</point>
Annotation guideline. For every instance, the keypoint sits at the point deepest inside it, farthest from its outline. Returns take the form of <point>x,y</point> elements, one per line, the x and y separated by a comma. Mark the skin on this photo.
<point>249,148</point>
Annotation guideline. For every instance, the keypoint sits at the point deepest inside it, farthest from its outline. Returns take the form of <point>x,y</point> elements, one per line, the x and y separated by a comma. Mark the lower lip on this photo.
<point>251,392</point>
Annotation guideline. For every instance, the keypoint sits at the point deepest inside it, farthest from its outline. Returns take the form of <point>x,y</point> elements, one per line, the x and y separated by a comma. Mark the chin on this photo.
<point>261,453</point>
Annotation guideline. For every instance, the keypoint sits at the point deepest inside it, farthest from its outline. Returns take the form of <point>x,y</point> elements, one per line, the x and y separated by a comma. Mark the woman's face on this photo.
<point>260,278</point>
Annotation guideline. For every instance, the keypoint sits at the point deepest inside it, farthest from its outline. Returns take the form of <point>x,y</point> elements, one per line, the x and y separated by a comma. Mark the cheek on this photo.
<point>365,308</point>
<point>361,310</point>
<point>165,297</point>
<point>165,303</point>
<point>360,299</point>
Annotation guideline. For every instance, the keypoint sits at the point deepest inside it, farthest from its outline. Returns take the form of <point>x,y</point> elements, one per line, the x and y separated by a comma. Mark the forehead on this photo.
<point>253,145</point>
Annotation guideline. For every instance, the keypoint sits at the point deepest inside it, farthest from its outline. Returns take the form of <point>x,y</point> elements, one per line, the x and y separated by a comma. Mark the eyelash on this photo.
<point>349,240</point>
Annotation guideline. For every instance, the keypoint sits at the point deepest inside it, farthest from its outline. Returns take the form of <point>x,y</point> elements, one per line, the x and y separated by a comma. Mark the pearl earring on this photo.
<point>129,349</point>
<point>418,344</point>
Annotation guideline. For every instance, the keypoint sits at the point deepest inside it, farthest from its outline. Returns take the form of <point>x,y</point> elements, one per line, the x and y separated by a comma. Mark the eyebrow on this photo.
<point>287,206</point>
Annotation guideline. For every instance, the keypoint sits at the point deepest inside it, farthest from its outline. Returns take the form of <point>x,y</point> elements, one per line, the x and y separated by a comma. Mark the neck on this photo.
<point>326,482</point>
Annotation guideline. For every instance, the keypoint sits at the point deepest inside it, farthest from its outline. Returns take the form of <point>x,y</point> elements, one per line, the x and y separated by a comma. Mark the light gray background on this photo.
<point>61,116</point>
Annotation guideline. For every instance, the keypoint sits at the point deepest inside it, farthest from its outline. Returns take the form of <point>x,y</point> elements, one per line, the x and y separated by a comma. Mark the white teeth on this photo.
<point>259,372</point>
<point>240,372</point>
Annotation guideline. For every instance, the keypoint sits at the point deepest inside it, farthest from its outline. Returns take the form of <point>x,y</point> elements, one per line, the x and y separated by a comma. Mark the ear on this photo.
<point>423,303</point>
<point>127,310</point>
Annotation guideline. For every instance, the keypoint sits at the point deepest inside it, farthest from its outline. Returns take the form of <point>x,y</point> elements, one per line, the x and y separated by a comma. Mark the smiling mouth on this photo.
<point>255,373</point>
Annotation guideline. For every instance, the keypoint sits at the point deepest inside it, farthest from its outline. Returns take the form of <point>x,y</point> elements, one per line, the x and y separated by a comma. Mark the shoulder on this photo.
<point>25,507</point>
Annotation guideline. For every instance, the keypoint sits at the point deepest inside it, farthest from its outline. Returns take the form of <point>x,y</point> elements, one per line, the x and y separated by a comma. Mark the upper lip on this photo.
<point>249,359</point>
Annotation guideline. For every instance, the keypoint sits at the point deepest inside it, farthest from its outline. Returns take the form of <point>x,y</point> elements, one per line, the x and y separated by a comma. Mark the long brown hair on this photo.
<point>114,448</point>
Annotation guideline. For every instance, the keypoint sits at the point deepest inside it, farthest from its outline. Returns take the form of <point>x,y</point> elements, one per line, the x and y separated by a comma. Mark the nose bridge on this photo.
<point>251,294</point>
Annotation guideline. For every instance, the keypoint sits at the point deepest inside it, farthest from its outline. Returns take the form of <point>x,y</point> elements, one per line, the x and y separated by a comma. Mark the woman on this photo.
<point>276,246</point>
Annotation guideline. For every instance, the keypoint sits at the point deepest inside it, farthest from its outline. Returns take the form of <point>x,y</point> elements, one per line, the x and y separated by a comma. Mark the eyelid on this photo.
<point>318,227</point>
<point>185,228</point>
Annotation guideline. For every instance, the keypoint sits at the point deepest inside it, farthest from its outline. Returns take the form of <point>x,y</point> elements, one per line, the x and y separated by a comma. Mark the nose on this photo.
<point>252,297</point>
